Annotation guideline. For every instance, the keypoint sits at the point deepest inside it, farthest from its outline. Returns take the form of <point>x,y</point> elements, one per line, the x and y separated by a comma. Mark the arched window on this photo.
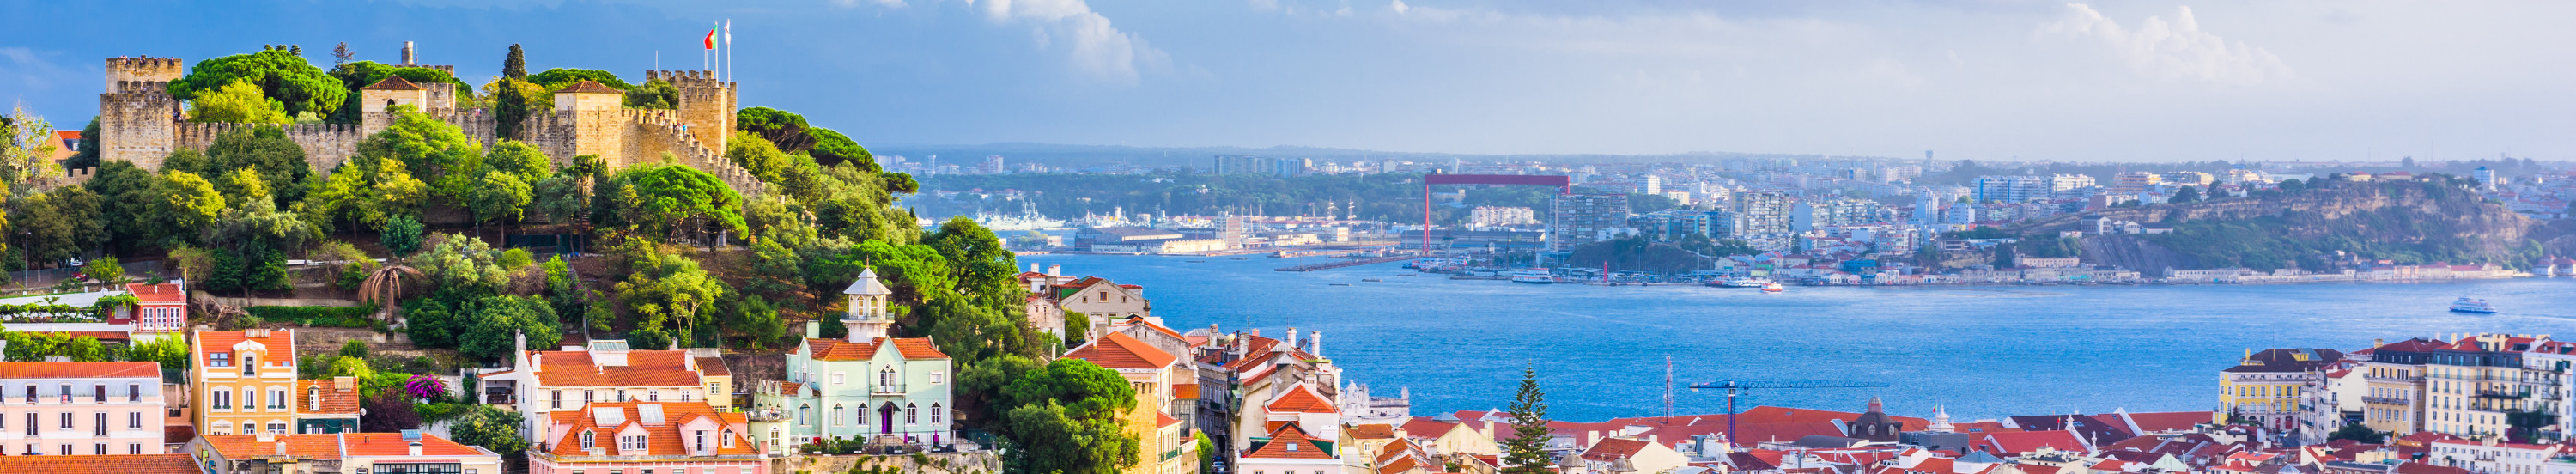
<point>885,378</point>
<point>909,413</point>
<point>588,440</point>
<point>935,413</point>
<point>801,411</point>
<point>838,416</point>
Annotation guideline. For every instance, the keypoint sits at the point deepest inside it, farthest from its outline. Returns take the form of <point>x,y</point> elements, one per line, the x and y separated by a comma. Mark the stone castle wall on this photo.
<point>137,122</point>
<point>326,145</point>
<point>147,69</point>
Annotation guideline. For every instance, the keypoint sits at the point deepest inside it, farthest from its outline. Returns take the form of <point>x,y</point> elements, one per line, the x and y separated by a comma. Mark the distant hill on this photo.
<point>2413,222</point>
<point>1083,156</point>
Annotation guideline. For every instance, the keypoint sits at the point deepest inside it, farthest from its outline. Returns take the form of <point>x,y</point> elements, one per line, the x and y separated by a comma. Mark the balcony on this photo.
<point>2387,401</point>
<point>895,390</point>
<point>2500,395</point>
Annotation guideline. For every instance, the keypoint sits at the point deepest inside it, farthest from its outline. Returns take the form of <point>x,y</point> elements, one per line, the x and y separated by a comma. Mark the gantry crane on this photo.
<point>1734,388</point>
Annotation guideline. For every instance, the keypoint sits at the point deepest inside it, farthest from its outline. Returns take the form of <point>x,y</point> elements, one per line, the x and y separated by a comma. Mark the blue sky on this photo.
<point>1992,79</point>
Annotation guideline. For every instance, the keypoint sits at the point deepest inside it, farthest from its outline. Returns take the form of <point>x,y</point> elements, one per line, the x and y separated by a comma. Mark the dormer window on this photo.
<point>250,364</point>
<point>588,440</point>
<point>630,443</point>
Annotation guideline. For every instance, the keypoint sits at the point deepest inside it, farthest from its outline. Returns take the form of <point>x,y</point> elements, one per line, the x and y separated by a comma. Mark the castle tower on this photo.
<point>867,318</point>
<point>705,104</point>
<point>137,116</point>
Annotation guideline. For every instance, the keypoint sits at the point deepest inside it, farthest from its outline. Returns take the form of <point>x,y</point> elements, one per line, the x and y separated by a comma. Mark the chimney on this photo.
<point>1317,339</point>
<point>344,383</point>
<point>267,437</point>
<point>813,329</point>
<point>1292,338</point>
<point>518,344</point>
<point>1033,268</point>
<point>415,448</point>
<point>281,446</point>
<point>537,362</point>
<point>1055,270</point>
<point>406,53</point>
<point>2378,342</point>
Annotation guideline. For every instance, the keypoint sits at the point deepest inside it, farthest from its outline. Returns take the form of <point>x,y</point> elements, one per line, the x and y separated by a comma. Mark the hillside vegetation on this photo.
<point>2412,222</point>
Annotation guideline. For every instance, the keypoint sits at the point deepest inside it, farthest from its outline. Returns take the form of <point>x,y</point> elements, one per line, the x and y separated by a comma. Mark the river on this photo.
<point>1984,352</point>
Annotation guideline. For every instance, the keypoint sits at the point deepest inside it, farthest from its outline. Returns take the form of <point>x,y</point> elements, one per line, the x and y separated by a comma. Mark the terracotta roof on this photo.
<point>2170,421</point>
<point>391,83</point>
<point>280,342</point>
<point>392,444</point>
<point>96,464</point>
<point>1288,442</point>
<point>1162,420</point>
<point>642,369</point>
<point>662,440</point>
<point>2028,441</point>
<point>835,349</point>
<point>1301,399</point>
<point>243,446</point>
<point>1187,391</point>
<point>1121,351</point>
<point>713,367</point>
<point>589,87</point>
<point>334,400</point>
<point>1420,427</point>
<point>1614,449</point>
<point>161,293</point>
<point>1371,431</point>
<point>61,370</point>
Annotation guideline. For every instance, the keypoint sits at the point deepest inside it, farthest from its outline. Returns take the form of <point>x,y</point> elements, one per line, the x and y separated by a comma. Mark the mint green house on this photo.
<point>868,386</point>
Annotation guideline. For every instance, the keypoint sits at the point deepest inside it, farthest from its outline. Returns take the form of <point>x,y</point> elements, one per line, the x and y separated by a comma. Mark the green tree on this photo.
<point>238,102</point>
<point>354,348</point>
<point>60,224</point>
<point>559,78</point>
<point>1067,418</point>
<point>498,197</point>
<point>512,100</point>
<point>784,129</point>
<point>666,199</point>
<point>2358,433</point>
<point>2186,195</point>
<point>757,155</point>
<point>171,352</point>
<point>1526,451</point>
<point>519,159</point>
<point>402,235</point>
<point>492,428</point>
<point>833,148</point>
<point>498,320</point>
<point>655,94</point>
<point>192,201</point>
<point>514,66</point>
<point>280,74</point>
<point>431,150</point>
<point>263,151</point>
<point>105,269</point>
<point>669,288</point>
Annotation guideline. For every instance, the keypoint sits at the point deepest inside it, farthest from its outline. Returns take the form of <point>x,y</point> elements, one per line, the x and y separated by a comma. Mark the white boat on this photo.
<point>1746,283</point>
<point>2472,305</point>
<point>1533,275</point>
<point>1773,287</point>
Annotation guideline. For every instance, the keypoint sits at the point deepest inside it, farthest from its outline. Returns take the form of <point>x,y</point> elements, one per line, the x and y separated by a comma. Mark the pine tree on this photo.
<point>516,65</point>
<point>341,55</point>
<point>1526,452</point>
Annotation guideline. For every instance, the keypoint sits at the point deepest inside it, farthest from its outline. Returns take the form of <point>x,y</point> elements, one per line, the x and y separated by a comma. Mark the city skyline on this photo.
<point>1980,80</point>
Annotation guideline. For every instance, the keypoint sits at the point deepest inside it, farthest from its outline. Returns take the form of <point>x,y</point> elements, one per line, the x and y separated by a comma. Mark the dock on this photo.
<point>1347,263</point>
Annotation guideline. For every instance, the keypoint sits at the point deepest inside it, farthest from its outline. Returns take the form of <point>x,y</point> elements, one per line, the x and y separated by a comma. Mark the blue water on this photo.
<point>1984,352</point>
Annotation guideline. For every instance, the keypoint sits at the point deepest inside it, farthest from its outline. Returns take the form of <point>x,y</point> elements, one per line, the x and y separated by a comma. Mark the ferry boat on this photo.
<point>1746,283</point>
<point>2472,305</point>
<point>1533,275</point>
<point>1773,287</point>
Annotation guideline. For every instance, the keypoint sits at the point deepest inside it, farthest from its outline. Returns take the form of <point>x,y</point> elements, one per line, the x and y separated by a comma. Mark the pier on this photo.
<point>1348,263</point>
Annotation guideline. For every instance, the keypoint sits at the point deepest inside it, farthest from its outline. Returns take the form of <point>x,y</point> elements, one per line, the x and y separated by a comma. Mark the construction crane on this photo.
<point>1734,387</point>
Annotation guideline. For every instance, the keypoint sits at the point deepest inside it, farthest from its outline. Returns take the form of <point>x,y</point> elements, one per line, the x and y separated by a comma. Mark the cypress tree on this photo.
<point>1526,452</point>
<point>515,66</point>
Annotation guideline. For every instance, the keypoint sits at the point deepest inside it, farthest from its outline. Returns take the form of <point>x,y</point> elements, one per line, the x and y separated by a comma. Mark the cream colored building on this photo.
<point>2269,388</point>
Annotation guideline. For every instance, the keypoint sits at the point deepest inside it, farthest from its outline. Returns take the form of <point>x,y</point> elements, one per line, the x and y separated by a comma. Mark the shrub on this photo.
<point>325,316</point>
<point>514,259</point>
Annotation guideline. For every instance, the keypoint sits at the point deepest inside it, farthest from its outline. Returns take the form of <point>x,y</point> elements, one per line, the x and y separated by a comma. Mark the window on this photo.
<point>223,399</point>
<point>838,416</point>
<point>133,392</point>
<point>556,399</point>
<point>98,427</point>
<point>67,449</point>
<point>885,378</point>
<point>630,442</point>
<point>684,395</point>
<point>249,398</point>
<point>836,378</point>
<point>652,395</point>
<point>31,429</point>
<point>934,413</point>
<point>621,394</point>
<point>801,410</point>
<point>278,428</point>
<point>277,399</point>
<point>934,377</point>
<point>587,441</point>
<point>250,428</point>
<point>701,441</point>
<point>98,393</point>
<point>728,439</point>
<point>219,359</point>
<point>67,421</point>
<point>65,393</point>
<point>100,449</point>
<point>585,397</point>
<point>908,412</point>
<point>313,397</point>
<point>250,364</point>
<point>136,448</point>
<point>31,393</point>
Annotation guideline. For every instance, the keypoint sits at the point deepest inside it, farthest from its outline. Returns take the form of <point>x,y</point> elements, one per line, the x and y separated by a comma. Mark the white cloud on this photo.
<point>1400,7</point>
<point>1097,49</point>
<point>2170,50</point>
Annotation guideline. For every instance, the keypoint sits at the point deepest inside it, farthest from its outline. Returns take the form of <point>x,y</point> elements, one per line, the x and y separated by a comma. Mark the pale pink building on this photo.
<point>80,408</point>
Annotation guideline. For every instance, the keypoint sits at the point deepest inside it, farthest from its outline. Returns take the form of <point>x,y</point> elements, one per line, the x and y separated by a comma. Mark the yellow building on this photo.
<point>1163,440</point>
<point>2267,388</point>
<point>244,381</point>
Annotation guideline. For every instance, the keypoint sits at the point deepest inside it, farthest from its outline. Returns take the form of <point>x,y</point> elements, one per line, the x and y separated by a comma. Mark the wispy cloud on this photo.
<point>28,71</point>
<point>2171,50</point>
<point>1097,49</point>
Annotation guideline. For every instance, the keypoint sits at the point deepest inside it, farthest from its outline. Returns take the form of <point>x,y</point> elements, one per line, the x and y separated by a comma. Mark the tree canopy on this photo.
<point>280,74</point>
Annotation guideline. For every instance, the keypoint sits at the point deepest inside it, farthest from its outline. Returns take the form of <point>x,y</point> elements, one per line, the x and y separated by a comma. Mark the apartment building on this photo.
<point>1577,219</point>
<point>243,381</point>
<point>543,382</point>
<point>2465,387</point>
<point>646,438</point>
<point>80,408</point>
<point>408,452</point>
<point>2269,388</point>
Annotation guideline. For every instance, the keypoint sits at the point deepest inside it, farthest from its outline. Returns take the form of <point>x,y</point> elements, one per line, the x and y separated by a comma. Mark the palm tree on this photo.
<point>385,287</point>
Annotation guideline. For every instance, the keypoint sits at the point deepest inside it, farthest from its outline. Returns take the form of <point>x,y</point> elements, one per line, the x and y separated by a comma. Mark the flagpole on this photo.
<point>728,44</point>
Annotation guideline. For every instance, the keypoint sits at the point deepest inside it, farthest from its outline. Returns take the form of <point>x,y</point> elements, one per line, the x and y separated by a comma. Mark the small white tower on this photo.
<point>1941,421</point>
<point>867,318</point>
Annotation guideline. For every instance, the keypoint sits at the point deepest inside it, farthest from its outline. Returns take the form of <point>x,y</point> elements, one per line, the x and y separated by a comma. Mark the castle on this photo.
<point>140,122</point>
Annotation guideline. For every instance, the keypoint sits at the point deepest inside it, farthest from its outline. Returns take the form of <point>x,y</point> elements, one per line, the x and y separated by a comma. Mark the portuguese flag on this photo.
<point>711,38</point>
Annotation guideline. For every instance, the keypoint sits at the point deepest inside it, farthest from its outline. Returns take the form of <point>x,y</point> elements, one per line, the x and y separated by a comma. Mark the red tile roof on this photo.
<point>1120,351</point>
<point>391,83</point>
<point>392,444</point>
<point>2169,421</point>
<point>280,343</point>
<point>65,370</point>
<point>1371,431</point>
<point>243,446</point>
<point>663,440</point>
<point>1420,427</point>
<point>334,400</point>
<point>1612,449</point>
<point>1301,399</point>
<point>910,348</point>
<point>161,293</point>
<point>1187,391</point>
<point>2028,441</point>
<point>1288,442</point>
<point>94,464</point>
<point>642,369</point>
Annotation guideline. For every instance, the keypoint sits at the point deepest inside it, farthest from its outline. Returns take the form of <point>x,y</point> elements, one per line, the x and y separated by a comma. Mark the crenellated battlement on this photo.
<point>126,69</point>
<point>139,87</point>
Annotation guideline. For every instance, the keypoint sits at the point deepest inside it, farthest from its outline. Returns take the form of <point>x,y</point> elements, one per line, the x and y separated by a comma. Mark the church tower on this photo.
<point>1875,425</point>
<point>867,318</point>
<point>1941,421</point>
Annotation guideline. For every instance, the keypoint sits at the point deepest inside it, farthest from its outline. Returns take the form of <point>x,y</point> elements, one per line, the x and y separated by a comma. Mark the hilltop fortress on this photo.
<point>141,123</point>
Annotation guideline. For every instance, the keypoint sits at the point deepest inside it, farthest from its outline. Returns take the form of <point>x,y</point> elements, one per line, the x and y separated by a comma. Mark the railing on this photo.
<point>888,389</point>
<point>2387,401</point>
<point>2393,379</point>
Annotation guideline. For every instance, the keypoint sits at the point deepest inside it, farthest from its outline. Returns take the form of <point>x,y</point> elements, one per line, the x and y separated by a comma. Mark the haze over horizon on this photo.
<point>1992,79</point>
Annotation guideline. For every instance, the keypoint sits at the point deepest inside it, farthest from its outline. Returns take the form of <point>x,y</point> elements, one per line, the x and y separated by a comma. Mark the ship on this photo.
<point>1533,275</point>
<point>1027,219</point>
<point>2472,305</point>
<point>1743,283</point>
<point>1773,287</point>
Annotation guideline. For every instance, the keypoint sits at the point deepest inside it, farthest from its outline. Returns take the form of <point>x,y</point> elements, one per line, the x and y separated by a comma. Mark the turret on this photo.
<point>867,316</point>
